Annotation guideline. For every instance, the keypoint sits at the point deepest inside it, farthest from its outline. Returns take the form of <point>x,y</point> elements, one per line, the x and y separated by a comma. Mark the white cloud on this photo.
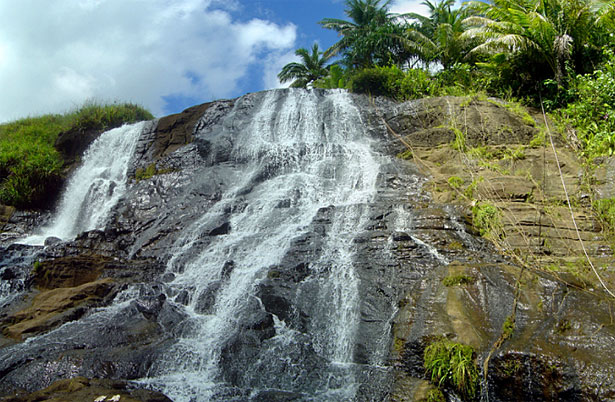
<point>56,54</point>
<point>274,66</point>
<point>409,6</point>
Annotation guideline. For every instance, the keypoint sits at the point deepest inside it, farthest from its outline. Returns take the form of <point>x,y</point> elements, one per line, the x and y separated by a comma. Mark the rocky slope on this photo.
<point>453,155</point>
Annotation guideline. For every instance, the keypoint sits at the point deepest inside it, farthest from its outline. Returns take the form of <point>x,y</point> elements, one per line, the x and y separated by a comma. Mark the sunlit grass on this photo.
<point>29,163</point>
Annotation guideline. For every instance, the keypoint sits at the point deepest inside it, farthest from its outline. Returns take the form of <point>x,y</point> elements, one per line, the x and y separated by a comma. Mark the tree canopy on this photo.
<point>525,48</point>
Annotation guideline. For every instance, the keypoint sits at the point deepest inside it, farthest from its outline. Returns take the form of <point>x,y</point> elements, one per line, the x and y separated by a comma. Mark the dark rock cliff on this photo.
<point>563,330</point>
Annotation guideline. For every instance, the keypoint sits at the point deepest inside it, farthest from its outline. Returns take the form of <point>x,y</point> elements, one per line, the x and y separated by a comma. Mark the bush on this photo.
<point>30,166</point>
<point>337,78</point>
<point>487,219</point>
<point>378,81</point>
<point>452,364</point>
<point>394,83</point>
<point>593,112</point>
<point>460,79</point>
<point>417,84</point>
<point>605,209</point>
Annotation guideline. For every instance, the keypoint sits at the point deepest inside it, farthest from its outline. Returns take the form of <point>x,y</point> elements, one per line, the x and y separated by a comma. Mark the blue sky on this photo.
<point>163,54</point>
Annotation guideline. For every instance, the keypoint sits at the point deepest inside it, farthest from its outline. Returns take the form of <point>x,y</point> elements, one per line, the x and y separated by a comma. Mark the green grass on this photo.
<point>456,280</point>
<point>435,395</point>
<point>455,182</point>
<point>487,219</point>
<point>30,166</point>
<point>452,364</point>
<point>149,172</point>
<point>605,209</point>
<point>508,327</point>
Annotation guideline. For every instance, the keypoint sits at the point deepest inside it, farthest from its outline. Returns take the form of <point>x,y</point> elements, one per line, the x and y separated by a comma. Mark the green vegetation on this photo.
<point>592,111</point>
<point>456,280</point>
<point>391,81</point>
<point>452,364</point>
<point>435,395</point>
<point>551,52</point>
<point>459,143</point>
<point>455,182</point>
<point>150,171</point>
<point>508,327</point>
<point>469,191</point>
<point>311,68</point>
<point>511,367</point>
<point>30,166</point>
<point>563,326</point>
<point>605,209</point>
<point>487,219</point>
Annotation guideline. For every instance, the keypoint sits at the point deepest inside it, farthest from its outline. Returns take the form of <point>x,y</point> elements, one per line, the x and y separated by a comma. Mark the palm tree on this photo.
<point>437,38</point>
<point>370,37</point>
<point>311,68</point>
<point>553,32</point>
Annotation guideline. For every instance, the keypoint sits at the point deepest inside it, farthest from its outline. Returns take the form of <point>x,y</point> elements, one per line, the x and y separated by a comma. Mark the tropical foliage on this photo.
<point>437,38</point>
<point>544,39</point>
<point>553,52</point>
<point>371,36</point>
<point>312,67</point>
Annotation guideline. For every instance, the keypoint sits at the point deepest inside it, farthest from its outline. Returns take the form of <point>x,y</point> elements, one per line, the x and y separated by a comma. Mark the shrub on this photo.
<point>455,182</point>
<point>508,327</point>
<point>605,209</point>
<point>487,219</point>
<point>459,143</point>
<point>593,112</point>
<point>337,78</point>
<point>417,84</point>
<point>452,364</point>
<point>97,116</point>
<point>378,81</point>
<point>435,395</point>
<point>458,79</point>
<point>455,280</point>
<point>394,83</point>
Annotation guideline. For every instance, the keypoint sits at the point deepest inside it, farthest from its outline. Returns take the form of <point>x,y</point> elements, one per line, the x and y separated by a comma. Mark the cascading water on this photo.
<point>302,152</point>
<point>95,187</point>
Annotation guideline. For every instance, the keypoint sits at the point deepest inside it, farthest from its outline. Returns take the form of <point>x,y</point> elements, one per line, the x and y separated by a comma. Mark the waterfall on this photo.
<point>303,153</point>
<point>95,187</point>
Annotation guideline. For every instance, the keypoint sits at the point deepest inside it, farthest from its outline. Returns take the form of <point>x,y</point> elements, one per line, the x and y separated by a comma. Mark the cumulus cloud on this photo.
<point>274,65</point>
<point>54,55</point>
<point>409,6</point>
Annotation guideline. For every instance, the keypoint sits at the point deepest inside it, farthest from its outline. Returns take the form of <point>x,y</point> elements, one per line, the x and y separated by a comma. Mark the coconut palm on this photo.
<point>553,32</point>
<point>312,67</point>
<point>370,37</point>
<point>437,37</point>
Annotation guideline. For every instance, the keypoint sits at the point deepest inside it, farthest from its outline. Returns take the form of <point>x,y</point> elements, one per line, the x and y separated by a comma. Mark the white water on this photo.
<point>95,187</point>
<point>315,153</point>
<point>403,223</point>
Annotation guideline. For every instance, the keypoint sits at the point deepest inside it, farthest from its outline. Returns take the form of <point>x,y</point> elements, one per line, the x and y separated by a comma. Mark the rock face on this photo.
<point>84,389</point>
<point>253,264</point>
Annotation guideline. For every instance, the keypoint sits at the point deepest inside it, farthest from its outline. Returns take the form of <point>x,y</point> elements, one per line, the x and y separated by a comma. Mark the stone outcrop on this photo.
<point>544,286</point>
<point>85,389</point>
<point>419,231</point>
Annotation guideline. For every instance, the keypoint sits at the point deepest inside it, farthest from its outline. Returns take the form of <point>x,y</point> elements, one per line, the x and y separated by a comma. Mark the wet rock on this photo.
<point>85,389</point>
<point>52,308</point>
<point>409,241</point>
<point>5,214</point>
<point>223,229</point>
<point>207,298</point>
<point>51,241</point>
